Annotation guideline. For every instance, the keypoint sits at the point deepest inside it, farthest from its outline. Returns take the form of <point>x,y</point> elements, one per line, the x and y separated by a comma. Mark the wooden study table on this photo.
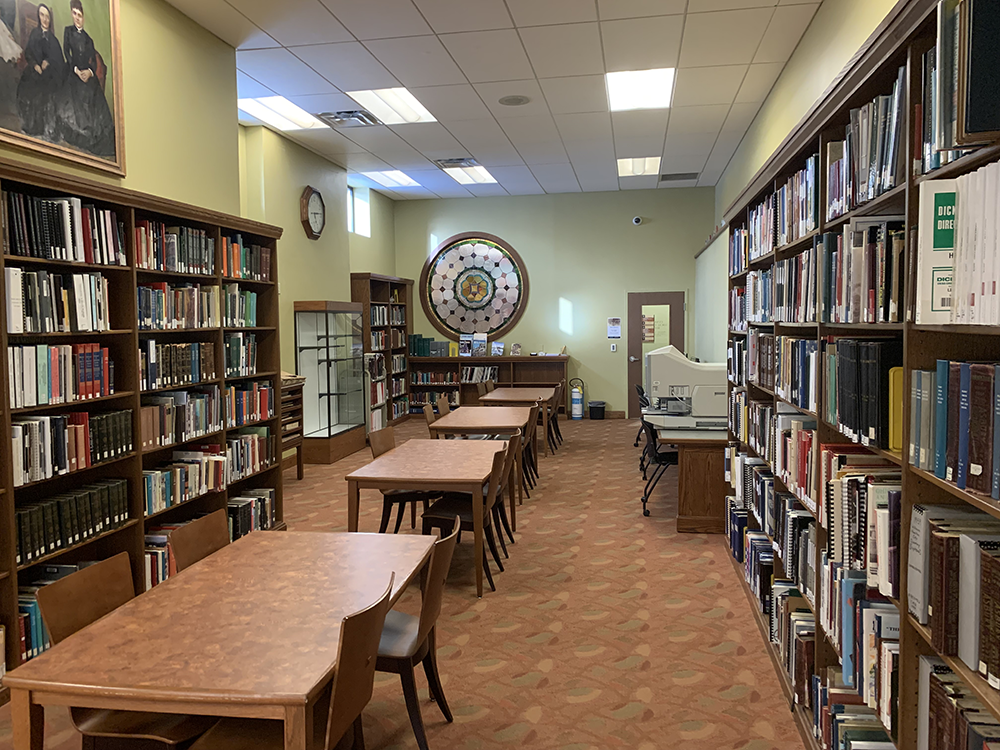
<point>443,465</point>
<point>524,396</point>
<point>498,420</point>
<point>701,481</point>
<point>251,631</point>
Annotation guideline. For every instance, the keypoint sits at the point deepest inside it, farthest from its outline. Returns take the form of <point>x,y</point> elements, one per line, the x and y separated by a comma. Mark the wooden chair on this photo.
<point>490,386</point>
<point>352,689</point>
<point>443,406</point>
<point>199,539</point>
<point>481,389</point>
<point>72,603</point>
<point>429,414</point>
<point>408,641</point>
<point>529,464</point>
<point>507,490</point>
<point>442,513</point>
<point>554,436</point>
<point>383,441</point>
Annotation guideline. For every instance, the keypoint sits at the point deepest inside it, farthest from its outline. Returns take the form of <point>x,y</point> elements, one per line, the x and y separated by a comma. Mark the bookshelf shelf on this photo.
<point>130,523</point>
<point>206,438</point>
<point>799,409</point>
<point>87,470</point>
<point>259,472</point>
<point>256,422</point>
<point>797,326</point>
<point>760,388</point>
<point>983,502</point>
<point>68,335</point>
<point>960,329</point>
<point>891,201</point>
<point>183,387</point>
<point>794,247</point>
<point>178,331</point>
<point>24,260</point>
<point>875,328</point>
<point>737,333</point>
<point>152,275</point>
<point>248,282</point>
<point>963,164</point>
<point>251,329</point>
<point>73,405</point>
<point>258,375</point>
<point>184,504</point>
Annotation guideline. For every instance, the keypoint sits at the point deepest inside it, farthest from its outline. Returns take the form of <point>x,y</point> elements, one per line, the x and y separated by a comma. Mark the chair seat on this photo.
<point>406,496</point>
<point>399,635</point>
<point>243,734</point>
<point>168,728</point>
<point>451,505</point>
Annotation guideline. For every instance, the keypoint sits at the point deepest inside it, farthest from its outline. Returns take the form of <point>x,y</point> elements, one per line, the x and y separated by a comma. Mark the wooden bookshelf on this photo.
<point>396,296</point>
<point>123,341</point>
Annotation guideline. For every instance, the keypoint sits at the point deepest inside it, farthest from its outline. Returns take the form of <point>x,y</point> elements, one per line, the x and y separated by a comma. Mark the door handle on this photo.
<point>633,358</point>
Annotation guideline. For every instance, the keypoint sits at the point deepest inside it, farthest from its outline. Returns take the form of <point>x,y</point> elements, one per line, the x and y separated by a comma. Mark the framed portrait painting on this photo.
<point>60,80</point>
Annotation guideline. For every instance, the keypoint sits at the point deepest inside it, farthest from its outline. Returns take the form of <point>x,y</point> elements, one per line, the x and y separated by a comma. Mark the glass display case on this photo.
<point>329,353</point>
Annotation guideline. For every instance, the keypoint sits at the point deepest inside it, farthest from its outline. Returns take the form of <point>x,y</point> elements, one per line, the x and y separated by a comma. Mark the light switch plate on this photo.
<point>614,347</point>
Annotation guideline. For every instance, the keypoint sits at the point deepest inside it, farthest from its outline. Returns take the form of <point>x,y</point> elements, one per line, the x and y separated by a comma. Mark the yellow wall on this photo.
<point>837,30</point>
<point>577,246</point>
<point>376,254</point>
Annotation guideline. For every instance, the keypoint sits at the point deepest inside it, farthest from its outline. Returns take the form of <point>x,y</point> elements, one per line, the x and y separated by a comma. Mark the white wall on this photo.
<point>711,301</point>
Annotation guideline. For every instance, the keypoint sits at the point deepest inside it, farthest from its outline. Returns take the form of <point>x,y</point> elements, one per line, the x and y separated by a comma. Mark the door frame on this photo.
<point>678,322</point>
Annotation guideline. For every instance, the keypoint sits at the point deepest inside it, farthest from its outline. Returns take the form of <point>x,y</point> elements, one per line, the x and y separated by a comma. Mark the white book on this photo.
<point>14,289</point>
<point>969,568</point>
<point>987,291</point>
<point>889,616</point>
<point>17,438</point>
<point>935,252</point>
<point>882,535</point>
<point>30,377</point>
<point>80,290</point>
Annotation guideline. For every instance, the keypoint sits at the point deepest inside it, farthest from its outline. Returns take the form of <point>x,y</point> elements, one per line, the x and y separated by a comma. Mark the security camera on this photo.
<point>637,220</point>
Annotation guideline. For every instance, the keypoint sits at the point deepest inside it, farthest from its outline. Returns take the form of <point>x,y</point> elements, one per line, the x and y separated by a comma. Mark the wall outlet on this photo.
<point>614,347</point>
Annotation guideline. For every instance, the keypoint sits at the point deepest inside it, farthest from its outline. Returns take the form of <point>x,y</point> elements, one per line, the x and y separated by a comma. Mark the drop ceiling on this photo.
<point>459,57</point>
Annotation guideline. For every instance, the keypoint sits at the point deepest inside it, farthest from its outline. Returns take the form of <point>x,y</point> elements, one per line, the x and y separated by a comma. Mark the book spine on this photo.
<point>941,419</point>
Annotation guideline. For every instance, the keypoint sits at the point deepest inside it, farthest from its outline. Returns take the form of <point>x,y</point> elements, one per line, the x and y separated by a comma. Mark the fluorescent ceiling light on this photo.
<point>392,178</point>
<point>640,89</point>
<point>470,175</point>
<point>392,106</point>
<point>638,166</point>
<point>280,113</point>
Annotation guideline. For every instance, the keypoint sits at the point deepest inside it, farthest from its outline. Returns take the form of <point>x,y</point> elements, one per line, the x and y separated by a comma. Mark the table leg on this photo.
<point>515,488</point>
<point>29,721</point>
<point>298,727</point>
<point>545,427</point>
<point>477,534</point>
<point>353,501</point>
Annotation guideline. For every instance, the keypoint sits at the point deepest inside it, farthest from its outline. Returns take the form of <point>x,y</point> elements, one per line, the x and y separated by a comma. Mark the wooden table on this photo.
<point>524,396</point>
<point>499,420</point>
<point>443,465</point>
<point>701,481</point>
<point>251,631</point>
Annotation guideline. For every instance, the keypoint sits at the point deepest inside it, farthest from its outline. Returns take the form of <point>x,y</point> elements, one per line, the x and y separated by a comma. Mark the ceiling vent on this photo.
<point>456,163</point>
<point>352,118</point>
<point>679,176</point>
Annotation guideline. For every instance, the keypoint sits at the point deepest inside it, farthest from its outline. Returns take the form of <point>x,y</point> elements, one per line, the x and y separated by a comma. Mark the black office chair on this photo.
<point>643,404</point>
<point>661,460</point>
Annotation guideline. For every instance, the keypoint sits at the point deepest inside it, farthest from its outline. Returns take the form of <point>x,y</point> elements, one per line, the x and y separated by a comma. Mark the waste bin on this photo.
<point>596,409</point>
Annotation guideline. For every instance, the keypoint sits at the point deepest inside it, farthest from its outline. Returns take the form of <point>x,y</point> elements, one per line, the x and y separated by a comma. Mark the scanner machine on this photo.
<point>685,395</point>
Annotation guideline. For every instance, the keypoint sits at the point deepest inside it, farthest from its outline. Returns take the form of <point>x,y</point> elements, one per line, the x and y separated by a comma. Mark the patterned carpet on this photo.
<point>608,630</point>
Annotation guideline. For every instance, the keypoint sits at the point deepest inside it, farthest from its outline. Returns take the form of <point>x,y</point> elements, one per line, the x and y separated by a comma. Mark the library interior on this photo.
<point>618,388</point>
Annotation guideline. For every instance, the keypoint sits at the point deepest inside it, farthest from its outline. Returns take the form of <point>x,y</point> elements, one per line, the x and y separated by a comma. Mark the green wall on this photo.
<point>581,247</point>
<point>376,254</point>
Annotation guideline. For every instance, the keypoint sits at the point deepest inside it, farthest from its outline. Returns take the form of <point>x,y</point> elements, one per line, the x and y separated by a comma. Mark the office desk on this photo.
<point>525,396</point>
<point>251,631</point>
<point>701,482</point>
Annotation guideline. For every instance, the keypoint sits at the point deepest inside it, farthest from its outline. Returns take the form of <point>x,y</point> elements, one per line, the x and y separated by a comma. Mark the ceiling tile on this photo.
<point>365,162</point>
<point>609,9</point>
<point>723,151</point>
<point>575,94</point>
<point>348,65</point>
<point>645,182</point>
<point>642,43</point>
<point>465,15</point>
<point>709,176</point>
<point>569,50</point>
<point>680,144</point>
<point>413,193</point>
<point>517,180</point>
<point>758,82</point>
<point>417,60</point>
<point>555,178</point>
<point>702,6</point>
<point>493,92</point>
<point>709,118</point>
<point>534,13</point>
<point>597,175</point>
<point>439,183</point>
<point>294,22</point>
<point>723,38</point>
<point>740,117</point>
<point>535,138</point>
<point>489,55</point>
<point>431,139</point>
<point>225,22</point>
<point>379,19</point>
<point>678,184</point>
<point>487,190</point>
<point>587,136</point>
<point>682,163</point>
<point>327,141</point>
<point>486,141</point>
<point>447,103</point>
<point>639,133</point>
<point>281,71</point>
<point>701,86</point>
<point>784,32</point>
<point>248,88</point>
<point>376,139</point>
<point>316,103</point>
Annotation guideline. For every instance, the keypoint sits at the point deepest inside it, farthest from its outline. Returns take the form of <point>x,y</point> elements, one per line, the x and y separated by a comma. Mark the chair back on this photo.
<point>481,389</point>
<point>73,602</point>
<point>496,476</point>
<point>651,436</point>
<point>490,386</point>
<point>382,441</point>
<point>532,426</point>
<point>557,396</point>
<point>429,414</point>
<point>199,539</point>
<point>512,449</point>
<point>358,651</point>
<point>443,406</point>
<point>643,398</point>
<point>437,574</point>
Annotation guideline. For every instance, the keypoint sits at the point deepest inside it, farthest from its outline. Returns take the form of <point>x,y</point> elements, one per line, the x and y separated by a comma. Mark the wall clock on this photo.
<point>313,212</point>
<point>474,283</point>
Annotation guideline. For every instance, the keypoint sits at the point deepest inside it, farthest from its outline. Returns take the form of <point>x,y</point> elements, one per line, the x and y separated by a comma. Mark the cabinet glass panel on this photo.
<point>329,353</point>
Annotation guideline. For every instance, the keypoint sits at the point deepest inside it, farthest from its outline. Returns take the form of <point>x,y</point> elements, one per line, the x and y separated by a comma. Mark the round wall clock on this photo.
<point>313,212</point>
<point>474,283</point>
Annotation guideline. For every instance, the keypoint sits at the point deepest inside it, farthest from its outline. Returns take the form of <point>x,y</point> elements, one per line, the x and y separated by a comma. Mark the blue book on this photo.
<point>852,591</point>
<point>964,399</point>
<point>918,378</point>
<point>941,421</point>
<point>995,487</point>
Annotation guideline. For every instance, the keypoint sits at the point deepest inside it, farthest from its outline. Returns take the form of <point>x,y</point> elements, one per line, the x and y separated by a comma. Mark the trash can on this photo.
<point>596,409</point>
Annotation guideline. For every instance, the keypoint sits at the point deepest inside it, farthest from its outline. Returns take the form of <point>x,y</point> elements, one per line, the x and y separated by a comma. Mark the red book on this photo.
<point>88,240</point>
<point>82,419</point>
<point>107,375</point>
<point>54,380</point>
<point>21,621</point>
<point>79,369</point>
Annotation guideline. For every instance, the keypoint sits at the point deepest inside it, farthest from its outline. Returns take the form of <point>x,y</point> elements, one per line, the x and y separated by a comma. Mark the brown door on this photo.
<point>648,330</point>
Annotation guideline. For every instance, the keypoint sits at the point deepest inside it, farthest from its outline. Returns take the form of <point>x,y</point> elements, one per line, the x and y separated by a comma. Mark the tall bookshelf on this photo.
<point>388,323</point>
<point>909,31</point>
<point>123,342</point>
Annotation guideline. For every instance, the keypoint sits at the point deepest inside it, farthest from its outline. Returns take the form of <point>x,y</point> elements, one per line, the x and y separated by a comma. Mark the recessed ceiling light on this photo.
<point>392,178</point>
<point>392,106</point>
<point>515,100</point>
<point>640,89</point>
<point>470,175</point>
<point>639,166</point>
<point>279,113</point>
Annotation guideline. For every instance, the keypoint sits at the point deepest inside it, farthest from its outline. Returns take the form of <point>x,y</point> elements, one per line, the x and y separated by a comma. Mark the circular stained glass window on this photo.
<point>474,283</point>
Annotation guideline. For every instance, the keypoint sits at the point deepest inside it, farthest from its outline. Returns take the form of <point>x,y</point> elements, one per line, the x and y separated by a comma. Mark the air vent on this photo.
<point>352,118</point>
<point>679,177</point>
<point>456,163</point>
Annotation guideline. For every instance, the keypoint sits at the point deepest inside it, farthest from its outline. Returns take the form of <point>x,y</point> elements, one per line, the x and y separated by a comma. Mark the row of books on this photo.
<point>241,354</point>
<point>379,341</point>
<point>797,203</point>
<point>736,359</point>
<point>42,374</point>
<point>43,302</point>
<point>377,419</point>
<point>480,374</point>
<point>421,377</point>
<point>245,261</point>
<point>62,229</point>
<point>398,363</point>
<point>239,306</point>
<point>795,288</point>
<point>936,112</point>
<point>68,519</point>
<point>167,365</point>
<point>165,306</point>
<point>249,451</point>
<point>397,315</point>
<point>842,717</point>
<point>397,338</point>
<point>190,474</point>
<point>863,271</point>
<point>398,386</point>
<point>423,346</point>
<point>419,398</point>
<point>791,437</point>
<point>375,366</point>
<point>177,249</point>
<point>737,309</point>
<point>401,407</point>
<point>796,370</point>
<point>379,315</point>
<point>179,416</point>
<point>46,446</point>
<point>759,296</point>
<point>948,713</point>
<point>248,402</point>
<point>377,393</point>
<point>761,358</point>
<point>864,390</point>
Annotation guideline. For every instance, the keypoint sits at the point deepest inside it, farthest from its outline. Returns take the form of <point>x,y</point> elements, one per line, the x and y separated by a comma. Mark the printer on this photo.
<point>685,395</point>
